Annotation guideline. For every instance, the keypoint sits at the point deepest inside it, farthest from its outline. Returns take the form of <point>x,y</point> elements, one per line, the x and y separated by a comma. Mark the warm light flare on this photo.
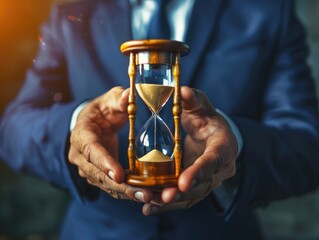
<point>19,35</point>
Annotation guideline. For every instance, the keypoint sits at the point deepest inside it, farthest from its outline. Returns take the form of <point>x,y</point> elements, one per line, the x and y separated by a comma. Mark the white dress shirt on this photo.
<point>178,14</point>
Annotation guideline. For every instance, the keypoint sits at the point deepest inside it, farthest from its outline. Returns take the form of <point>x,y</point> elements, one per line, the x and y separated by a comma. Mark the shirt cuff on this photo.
<point>76,114</point>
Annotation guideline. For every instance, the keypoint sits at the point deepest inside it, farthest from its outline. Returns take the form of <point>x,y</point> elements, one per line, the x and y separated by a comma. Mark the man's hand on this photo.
<point>210,150</point>
<point>94,145</point>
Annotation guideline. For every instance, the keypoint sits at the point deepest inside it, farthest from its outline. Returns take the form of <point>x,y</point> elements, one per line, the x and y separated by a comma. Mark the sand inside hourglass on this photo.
<point>155,156</point>
<point>154,95</point>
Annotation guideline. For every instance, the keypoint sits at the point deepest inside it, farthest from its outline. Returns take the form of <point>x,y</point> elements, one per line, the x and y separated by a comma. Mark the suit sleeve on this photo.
<point>34,133</point>
<point>280,157</point>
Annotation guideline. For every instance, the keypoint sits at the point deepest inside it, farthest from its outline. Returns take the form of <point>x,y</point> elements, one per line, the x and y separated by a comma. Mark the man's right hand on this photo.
<point>94,145</point>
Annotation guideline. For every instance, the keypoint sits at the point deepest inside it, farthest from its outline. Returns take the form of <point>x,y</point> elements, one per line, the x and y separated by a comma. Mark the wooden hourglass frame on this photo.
<point>154,172</point>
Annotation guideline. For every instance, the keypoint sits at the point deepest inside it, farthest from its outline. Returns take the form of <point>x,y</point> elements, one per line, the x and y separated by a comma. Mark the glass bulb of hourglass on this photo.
<point>154,84</point>
<point>155,138</point>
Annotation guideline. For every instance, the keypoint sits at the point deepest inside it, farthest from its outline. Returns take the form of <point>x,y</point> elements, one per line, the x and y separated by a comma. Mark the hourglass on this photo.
<point>154,153</point>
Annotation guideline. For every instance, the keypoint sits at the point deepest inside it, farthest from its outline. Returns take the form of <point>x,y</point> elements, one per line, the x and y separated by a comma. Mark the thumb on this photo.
<point>189,100</point>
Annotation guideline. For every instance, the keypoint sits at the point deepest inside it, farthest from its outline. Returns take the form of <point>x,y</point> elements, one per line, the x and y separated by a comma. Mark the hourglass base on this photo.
<point>151,181</point>
<point>150,174</point>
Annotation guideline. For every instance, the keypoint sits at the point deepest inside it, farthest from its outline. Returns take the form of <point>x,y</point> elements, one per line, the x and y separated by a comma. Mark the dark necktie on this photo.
<point>159,27</point>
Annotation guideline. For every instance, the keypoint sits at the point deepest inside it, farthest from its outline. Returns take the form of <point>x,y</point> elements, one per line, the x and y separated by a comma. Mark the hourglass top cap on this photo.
<point>155,45</point>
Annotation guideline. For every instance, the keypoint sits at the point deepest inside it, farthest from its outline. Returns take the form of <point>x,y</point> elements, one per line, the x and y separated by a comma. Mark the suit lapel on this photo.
<point>204,18</point>
<point>112,34</point>
<point>118,31</point>
<point>120,17</point>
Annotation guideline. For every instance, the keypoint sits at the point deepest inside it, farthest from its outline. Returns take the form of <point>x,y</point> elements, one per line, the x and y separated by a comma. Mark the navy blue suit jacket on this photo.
<point>248,56</point>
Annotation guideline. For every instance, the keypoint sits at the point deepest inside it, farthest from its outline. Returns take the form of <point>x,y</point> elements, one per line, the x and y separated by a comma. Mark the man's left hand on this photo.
<point>210,151</point>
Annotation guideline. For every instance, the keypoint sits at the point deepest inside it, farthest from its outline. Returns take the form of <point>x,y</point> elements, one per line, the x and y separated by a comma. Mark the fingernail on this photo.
<point>111,175</point>
<point>139,196</point>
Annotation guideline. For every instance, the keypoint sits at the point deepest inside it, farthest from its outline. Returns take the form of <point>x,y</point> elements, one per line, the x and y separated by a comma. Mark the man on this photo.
<point>68,124</point>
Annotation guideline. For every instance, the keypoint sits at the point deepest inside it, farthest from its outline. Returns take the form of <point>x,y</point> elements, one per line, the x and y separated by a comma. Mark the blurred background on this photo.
<point>32,209</point>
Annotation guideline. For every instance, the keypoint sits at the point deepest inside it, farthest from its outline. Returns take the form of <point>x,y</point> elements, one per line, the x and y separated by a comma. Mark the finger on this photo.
<point>195,101</point>
<point>157,198</point>
<point>112,107</point>
<point>93,174</point>
<point>189,177</point>
<point>184,200</point>
<point>86,142</point>
<point>125,191</point>
<point>112,98</point>
<point>203,168</point>
<point>123,100</point>
<point>189,99</point>
<point>165,196</point>
<point>151,209</point>
<point>88,170</point>
<point>119,191</point>
<point>103,160</point>
<point>170,195</point>
<point>82,173</point>
<point>115,100</point>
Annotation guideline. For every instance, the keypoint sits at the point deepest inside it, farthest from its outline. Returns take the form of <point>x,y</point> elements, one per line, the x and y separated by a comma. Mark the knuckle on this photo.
<point>96,173</point>
<point>92,182</point>
<point>71,159</point>
<point>89,181</point>
<point>82,173</point>
<point>124,193</point>
<point>71,155</point>
<point>86,150</point>
<point>75,136</point>
<point>101,181</point>
<point>92,172</point>
<point>72,136</point>
<point>113,193</point>
<point>127,192</point>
